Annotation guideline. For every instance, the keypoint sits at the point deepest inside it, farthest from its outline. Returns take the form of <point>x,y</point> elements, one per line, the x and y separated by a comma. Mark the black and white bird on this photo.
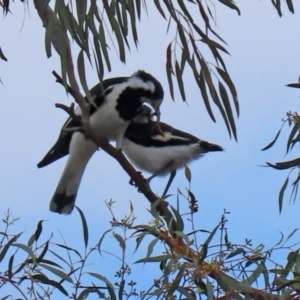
<point>163,150</point>
<point>118,101</point>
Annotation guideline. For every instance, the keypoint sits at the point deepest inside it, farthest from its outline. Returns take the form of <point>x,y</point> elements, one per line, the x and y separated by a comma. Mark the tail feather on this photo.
<point>81,150</point>
<point>208,147</point>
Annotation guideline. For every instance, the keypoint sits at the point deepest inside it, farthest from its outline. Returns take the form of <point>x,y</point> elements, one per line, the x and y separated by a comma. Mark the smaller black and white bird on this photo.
<point>117,102</point>
<point>163,150</point>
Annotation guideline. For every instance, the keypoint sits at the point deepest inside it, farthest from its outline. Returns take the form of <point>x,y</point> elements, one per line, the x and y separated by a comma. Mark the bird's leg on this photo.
<point>172,175</point>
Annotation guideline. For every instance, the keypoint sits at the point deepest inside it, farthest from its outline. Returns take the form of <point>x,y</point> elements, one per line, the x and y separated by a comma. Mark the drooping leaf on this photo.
<point>28,250</point>
<point>273,142</point>
<point>2,56</point>
<point>230,4</point>
<point>179,80</point>
<point>285,165</point>
<point>225,76</point>
<point>294,85</point>
<point>57,272</point>
<point>227,106</point>
<point>291,234</point>
<point>281,194</point>
<point>188,174</point>
<point>158,258</point>
<point>101,239</point>
<point>202,86</point>
<point>157,4</point>
<point>169,70</point>
<point>290,5</point>
<point>237,251</point>
<point>42,278</point>
<point>120,240</point>
<point>37,234</point>
<point>295,129</point>
<point>84,227</point>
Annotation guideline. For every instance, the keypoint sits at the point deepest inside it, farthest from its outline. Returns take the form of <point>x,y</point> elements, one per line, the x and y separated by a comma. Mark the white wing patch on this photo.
<point>168,136</point>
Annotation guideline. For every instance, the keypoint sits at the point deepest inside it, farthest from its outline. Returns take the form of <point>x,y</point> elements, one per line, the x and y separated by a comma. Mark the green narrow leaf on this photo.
<point>280,240</point>
<point>169,69</point>
<point>185,10</point>
<point>28,250</point>
<point>179,80</point>
<point>10,266</point>
<point>231,5</point>
<point>122,22</point>
<point>292,257</point>
<point>48,37</point>
<point>213,44</point>
<point>225,76</point>
<point>217,57</point>
<point>281,194</point>
<point>101,239</point>
<point>68,248</point>
<point>84,227</point>
<point>273,142</point>
<point>84,293</point>
<point>37,234</point>
<point>202,86</point>
<point>42,278</point>
<point>227,106</point>
<point>81,72</point>
<point>213,92</point>
<point>182,36</point>
<point>158,258</point>
<point>295,129</point>
<point>70,23</point>
<point>157,4</point>
<point>209,290</point>
<point>290,5</point>
<point>102,278</point>
<point>138,8</point>
<point>236,252</point>
<point>179,221</point>
<point>2,56</point>
<point>188,174</point>
<point>81,7</point>
<point>176,282</point>
<point>286,164</point>
<point>291,234</point>
<point>116,28</point>
<point>57,272</point>
<point>151,247</point>
<point>104,46</point>
<point>184,291</point>
<point>294,85</point>
<point>139,239</point>
<point>131,10</point>
<point>120,240</point>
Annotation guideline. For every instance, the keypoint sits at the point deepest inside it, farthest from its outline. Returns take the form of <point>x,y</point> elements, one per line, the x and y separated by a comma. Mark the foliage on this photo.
<point>292,119</point>
<point>188,266</point>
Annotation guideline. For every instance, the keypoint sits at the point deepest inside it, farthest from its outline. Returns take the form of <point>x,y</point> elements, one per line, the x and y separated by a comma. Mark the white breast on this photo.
<point>160,160</point>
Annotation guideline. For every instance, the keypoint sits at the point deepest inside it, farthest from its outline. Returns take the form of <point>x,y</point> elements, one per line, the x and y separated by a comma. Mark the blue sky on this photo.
<point>264,56</point>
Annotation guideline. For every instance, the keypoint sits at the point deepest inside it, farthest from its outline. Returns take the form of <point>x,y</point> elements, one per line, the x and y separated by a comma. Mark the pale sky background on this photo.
<point>264,57</point>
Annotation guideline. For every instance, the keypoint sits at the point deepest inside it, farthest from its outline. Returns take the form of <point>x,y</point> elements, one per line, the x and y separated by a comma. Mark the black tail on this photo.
<point>208,147</point>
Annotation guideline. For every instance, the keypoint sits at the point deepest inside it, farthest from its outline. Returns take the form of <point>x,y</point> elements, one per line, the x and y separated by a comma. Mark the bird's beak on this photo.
<point>157,122</point>
<point>157,114</point>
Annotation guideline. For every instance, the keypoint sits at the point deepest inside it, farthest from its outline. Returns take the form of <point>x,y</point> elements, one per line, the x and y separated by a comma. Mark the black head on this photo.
<point>140,88</point>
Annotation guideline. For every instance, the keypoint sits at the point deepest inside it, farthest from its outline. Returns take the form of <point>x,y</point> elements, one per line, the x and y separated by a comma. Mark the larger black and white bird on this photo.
<point>163,150</point>
<point>118,101</point>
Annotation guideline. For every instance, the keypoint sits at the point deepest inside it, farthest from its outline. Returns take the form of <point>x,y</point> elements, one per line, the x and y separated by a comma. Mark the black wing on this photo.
<point>148,134</point>
<point>61,147</point>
